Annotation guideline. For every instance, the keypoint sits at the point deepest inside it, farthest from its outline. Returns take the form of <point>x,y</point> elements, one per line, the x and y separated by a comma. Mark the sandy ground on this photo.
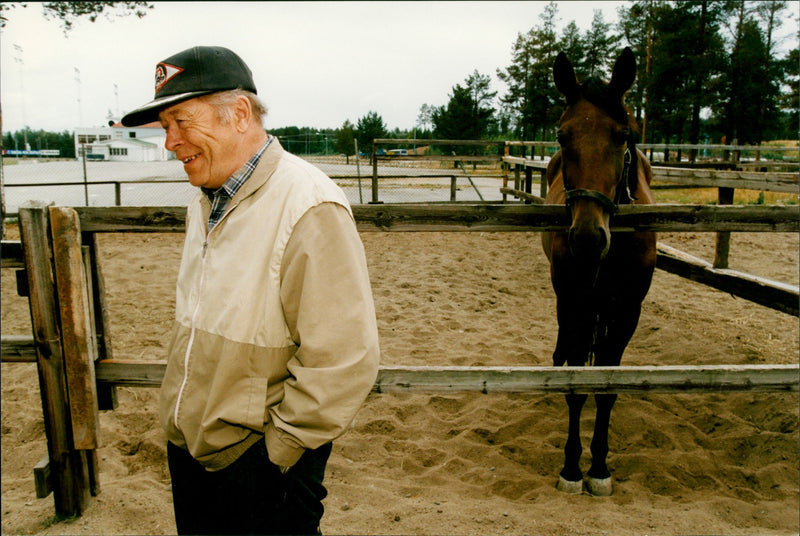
<point>467,463</point>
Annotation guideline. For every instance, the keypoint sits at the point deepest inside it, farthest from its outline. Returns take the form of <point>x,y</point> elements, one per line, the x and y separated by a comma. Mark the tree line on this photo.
<point>708,70</point>
<point>40,139</point>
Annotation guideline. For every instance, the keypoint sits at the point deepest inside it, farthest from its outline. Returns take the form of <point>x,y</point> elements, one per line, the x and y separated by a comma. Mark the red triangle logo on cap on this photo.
<point>164,73</point>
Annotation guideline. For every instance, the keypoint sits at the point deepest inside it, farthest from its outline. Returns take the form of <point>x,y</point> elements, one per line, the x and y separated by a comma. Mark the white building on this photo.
<point>123,144</point>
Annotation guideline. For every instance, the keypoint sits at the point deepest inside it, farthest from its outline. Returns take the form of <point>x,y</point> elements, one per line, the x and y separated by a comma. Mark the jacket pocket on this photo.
<point>225,396</point>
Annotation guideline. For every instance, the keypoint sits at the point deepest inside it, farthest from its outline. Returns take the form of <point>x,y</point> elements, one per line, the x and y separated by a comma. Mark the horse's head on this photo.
<point>598,155</point>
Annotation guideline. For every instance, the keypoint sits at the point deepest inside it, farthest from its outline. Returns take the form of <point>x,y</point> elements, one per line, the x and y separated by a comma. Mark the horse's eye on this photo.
<point>562,138</point>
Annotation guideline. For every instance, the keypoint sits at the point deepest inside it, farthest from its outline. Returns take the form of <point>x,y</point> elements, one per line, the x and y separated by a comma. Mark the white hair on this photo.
<point>223,101</point>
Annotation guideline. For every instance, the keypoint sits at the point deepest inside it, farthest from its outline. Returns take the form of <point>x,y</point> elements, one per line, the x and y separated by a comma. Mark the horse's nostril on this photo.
<point>588,243</point>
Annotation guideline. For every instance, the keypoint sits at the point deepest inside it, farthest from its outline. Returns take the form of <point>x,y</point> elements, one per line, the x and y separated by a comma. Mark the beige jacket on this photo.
<point>275,334</point>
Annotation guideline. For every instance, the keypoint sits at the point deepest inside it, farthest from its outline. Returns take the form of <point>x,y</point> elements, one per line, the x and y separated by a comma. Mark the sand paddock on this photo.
<point>466,463</point>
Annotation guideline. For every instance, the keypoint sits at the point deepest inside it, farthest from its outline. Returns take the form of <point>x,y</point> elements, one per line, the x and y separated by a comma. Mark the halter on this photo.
<point>623,195</point>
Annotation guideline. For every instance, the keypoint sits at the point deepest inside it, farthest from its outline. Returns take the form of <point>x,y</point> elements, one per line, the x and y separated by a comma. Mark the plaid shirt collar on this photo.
<point>220,197</point>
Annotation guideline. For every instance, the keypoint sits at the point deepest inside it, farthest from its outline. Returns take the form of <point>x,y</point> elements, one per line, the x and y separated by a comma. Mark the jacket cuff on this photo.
<point>280,453</point>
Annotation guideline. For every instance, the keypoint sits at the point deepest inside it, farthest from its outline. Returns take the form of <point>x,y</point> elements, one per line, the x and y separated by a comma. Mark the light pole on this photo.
<point>78,86</point>
<point>18,60</point>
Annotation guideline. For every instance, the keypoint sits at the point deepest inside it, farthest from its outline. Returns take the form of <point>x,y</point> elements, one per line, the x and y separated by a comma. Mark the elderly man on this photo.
<point>275,344</point>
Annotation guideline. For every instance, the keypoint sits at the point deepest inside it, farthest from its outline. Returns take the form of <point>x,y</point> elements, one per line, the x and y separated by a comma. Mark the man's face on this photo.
<point>206,146</point>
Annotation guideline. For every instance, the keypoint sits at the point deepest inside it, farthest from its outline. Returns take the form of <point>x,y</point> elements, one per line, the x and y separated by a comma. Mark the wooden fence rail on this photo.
<point>484,217</point>
<point>534,380</point>
<point>725,181</point>
<point>704,178</point>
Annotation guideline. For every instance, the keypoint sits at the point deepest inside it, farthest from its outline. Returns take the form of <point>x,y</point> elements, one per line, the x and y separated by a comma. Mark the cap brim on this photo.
<point>149,112</point>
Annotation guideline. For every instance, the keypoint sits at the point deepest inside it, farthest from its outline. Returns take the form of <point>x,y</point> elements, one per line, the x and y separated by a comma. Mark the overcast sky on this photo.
<point>315,64</point>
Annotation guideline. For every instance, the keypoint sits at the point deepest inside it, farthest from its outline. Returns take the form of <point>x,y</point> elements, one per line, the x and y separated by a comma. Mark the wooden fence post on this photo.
<point>725,197</point>
<point>722,250</point>
<point>528,180</point>
<point>374,173</point>
<point>77,326</point>
<point>543,184</point>
<point>106,394</point>
<point>78,340</point>
<point>69,478</point>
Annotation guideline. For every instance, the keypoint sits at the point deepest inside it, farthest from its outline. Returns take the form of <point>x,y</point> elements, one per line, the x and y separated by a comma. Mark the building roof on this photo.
<point>129,141</point>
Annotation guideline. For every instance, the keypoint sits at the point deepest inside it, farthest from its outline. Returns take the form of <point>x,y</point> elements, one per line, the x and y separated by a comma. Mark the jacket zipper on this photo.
<point>191,332</point>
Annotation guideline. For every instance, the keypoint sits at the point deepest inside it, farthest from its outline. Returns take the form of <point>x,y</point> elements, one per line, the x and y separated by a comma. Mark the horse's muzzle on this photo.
<point>589,242</point>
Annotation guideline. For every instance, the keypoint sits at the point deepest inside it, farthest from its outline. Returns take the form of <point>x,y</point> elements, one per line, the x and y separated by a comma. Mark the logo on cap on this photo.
<point>164,73</point>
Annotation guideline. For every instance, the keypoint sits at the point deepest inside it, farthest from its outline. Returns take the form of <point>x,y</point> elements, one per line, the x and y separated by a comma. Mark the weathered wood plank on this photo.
<point>708,178</point>
<point>661,146</point>
<point>132,219</point>
<point>107,395</point>
<point>11,255</point>
<point>522,195</point>
<point>767,292</point>
<point>526,162</point>
<point>42,478</point>
<point>665,379</point>
<point>70,490</point>
<point>76,326</point>
<point>486,217</point>
<point>509,218</point>
<point>662,379</point>
<point>437,158</point>
<point>132,373</point>
<point>18,349</point>
<point>407,141</point>
<point>712,178</point>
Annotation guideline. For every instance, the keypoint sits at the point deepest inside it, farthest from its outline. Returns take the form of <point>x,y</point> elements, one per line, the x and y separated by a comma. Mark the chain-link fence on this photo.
<point>104,183</point>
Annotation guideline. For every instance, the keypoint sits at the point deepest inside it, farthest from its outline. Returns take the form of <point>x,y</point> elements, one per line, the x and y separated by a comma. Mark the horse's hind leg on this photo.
<point>571,478</point>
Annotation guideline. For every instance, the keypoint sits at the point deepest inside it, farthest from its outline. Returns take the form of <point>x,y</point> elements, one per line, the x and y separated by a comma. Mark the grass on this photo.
<point>709,196</point>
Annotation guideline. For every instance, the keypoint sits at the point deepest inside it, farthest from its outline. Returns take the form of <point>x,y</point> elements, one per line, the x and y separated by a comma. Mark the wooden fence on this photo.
<point>727,180</point>
<point>698,154</point>
<point>78,374</point>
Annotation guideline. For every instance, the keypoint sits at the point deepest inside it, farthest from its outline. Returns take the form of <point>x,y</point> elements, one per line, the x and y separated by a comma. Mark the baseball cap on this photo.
<point>194,72</point>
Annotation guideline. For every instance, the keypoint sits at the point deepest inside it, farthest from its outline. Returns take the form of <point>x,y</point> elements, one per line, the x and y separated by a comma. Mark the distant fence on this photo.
<point>397,171</point>
<point>662,153</point>
<point>726,180</point>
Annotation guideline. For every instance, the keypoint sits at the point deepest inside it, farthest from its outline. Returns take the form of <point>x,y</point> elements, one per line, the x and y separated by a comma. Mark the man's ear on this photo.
<point>242,114</point>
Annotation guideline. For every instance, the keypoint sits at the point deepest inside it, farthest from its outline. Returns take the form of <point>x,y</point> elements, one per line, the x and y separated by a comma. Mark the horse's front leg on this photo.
<point>570,479</point>
<point>575,336</point>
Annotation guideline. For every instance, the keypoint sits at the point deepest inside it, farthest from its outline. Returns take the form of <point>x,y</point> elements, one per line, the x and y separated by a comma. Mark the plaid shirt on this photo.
<point>221,196</point>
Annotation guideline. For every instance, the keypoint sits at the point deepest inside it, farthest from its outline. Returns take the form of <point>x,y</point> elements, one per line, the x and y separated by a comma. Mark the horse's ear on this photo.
<point>564,76</point>
<point>624,72</point>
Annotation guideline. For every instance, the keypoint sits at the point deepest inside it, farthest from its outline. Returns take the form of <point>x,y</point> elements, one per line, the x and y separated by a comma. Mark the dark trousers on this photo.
<point>250,496</point>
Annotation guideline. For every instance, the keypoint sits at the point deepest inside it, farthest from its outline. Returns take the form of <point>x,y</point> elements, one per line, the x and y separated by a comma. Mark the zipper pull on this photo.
<point>205,246</point>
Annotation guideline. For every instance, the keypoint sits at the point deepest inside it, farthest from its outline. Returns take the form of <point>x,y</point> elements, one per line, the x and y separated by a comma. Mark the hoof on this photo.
<point>569,486</point>
<point>599,487</point>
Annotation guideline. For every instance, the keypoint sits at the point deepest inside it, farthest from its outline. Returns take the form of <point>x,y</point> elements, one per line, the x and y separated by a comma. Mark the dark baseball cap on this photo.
<point>194,72</point>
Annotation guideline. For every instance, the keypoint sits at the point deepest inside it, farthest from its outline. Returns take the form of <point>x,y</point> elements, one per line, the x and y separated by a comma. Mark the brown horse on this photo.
<point>599,282</point>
